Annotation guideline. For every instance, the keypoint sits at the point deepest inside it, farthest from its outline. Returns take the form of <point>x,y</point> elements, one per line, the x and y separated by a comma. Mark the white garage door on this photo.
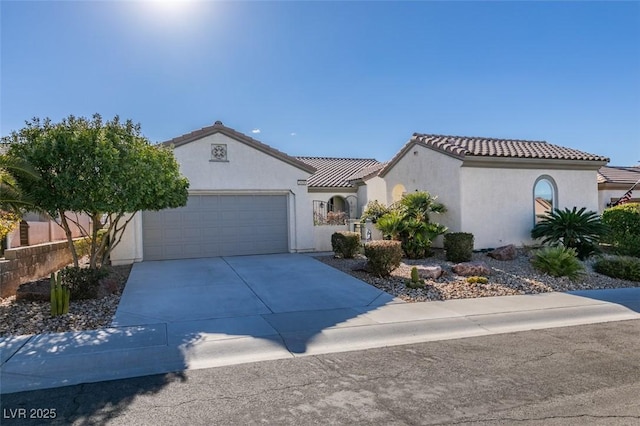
<point>217,225</point>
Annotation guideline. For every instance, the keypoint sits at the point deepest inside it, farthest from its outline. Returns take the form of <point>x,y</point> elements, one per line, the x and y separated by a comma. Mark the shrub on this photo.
<point>408,221</point>
<point>374,211</point>
<point>336,218</point>
<point>84,283</point>
<point>624,267</point>
<point>383,256</point>
<point>475,279</point>
<point>558,261</point>
<point>623,223</point>
<point>345,244</point>
<point>578,229</point>
<point>458,246</point>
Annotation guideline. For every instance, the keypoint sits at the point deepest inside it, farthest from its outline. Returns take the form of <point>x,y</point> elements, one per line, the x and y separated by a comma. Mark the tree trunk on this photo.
<point>67,231</point>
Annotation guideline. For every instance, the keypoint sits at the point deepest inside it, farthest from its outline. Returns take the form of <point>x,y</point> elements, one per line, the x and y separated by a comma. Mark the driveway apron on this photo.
<point>210,288</point>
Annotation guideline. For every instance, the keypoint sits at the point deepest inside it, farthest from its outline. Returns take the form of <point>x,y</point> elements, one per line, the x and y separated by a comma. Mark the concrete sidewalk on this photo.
<point>53,360</point>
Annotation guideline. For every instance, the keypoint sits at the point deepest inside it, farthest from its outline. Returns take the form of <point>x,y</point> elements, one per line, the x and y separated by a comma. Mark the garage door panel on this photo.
<point>217,225</point>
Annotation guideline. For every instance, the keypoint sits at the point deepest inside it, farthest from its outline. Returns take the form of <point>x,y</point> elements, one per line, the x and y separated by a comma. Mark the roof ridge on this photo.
<point>334,158</point>
<point>478,137</point>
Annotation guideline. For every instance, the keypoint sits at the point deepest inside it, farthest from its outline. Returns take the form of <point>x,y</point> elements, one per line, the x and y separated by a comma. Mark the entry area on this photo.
<point>217,225</point>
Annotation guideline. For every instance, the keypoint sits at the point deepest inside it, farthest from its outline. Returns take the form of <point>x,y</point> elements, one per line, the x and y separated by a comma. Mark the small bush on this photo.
<point>345,244</point>
<point>383,256</point>
<point>374,211</point>
<point>479,280</point>
<point>84,283</point>
<point>624,267</point>
<point>558,261</point>
<point>623,223</point>
<point>336,218</point>
<point>458,246</point>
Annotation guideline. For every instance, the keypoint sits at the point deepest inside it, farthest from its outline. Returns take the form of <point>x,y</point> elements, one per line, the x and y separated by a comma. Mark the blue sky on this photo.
<point>345,79</point>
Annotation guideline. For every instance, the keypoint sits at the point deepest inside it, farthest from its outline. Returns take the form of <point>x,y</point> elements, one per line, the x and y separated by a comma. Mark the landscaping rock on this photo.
<point>504,253</point>
<point>35,290</point>
<point>467,269</point>
<point>430,272</point>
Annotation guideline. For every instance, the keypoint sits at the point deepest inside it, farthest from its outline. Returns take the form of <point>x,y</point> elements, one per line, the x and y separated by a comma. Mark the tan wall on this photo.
<point>24,264</point>
<point>46,231</point>
<point>498,207</point>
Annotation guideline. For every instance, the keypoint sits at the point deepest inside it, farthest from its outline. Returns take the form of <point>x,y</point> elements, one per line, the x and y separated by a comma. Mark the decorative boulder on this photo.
<point>467,269</point>
<point>35,290</point>
<point>504,253</point>
<point>430,272</point>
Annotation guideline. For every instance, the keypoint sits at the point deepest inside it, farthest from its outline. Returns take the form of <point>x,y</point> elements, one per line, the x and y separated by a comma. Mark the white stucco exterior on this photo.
<point>423,169</point>
<point>493,200</point>
<point>497,204</point>
<point>246,170</point>
<point>372,189</point>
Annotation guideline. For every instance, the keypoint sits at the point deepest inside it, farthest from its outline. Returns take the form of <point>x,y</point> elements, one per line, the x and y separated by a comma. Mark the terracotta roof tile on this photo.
<point>614,174</point>
<point>463,146</point>
<point>337,172</point>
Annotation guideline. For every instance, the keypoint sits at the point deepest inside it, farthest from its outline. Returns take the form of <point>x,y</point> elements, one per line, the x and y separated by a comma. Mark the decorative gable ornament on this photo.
<point>218,152</point>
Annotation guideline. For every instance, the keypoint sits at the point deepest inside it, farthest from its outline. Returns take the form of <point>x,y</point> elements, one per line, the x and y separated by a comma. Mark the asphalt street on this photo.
<point>562,376</point>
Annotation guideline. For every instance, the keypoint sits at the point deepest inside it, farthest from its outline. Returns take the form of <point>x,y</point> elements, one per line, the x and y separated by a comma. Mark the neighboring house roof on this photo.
<point>622,175</point>
<point>336,172</point>
<point>463,147</point>
<point>218,127</point>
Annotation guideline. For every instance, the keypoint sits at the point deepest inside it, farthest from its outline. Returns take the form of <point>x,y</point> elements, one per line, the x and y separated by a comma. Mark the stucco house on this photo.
<point>245,197</point>
<point>614,182</point>
<point>249,198</point>
<point>492,187</point>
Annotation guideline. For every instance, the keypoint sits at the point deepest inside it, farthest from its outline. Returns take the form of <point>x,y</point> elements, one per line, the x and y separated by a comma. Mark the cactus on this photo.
<point>414,275</point>
<point>415,281</point>
<point>60,296</point>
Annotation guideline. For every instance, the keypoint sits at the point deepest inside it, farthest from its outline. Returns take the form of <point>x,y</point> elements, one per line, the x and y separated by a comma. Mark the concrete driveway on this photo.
<point>225,287</point>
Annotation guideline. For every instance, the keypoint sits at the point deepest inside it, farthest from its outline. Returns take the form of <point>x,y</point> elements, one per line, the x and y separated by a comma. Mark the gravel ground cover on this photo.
<point>29,317</point>
<point>509,277</point>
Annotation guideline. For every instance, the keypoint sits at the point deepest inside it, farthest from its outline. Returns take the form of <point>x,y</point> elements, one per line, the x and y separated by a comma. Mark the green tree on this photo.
<point>106,170</point>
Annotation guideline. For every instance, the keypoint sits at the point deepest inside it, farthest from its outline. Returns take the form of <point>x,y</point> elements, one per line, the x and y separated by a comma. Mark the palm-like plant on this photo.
<point>409,223</point>
<point>12,199</point>
<point>578,229</point>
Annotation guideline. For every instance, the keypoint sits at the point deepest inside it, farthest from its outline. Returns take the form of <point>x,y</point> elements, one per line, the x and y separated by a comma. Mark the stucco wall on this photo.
<point>375,189</point>
<point>323,234</point>
<point>497,203</point>
<point>605,195</point>
<point>423,169</point>
<point>246,170</point>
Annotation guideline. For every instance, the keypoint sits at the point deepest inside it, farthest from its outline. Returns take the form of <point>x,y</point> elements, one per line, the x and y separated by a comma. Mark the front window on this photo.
<point>544,196</point>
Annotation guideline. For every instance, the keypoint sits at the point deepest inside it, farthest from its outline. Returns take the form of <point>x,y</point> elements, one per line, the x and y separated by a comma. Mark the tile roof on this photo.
<point>337,172</point>
<point>218,127</point>
<point>463,146</point>
<point>613,174</point>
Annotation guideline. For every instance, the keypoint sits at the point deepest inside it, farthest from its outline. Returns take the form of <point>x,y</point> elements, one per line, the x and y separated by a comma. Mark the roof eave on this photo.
<point>531,163</point>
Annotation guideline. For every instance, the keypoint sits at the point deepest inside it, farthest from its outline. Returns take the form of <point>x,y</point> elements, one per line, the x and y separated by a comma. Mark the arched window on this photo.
<point>544,197</point>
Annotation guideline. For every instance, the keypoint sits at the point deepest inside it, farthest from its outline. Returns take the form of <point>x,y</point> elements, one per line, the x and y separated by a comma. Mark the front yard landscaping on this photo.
<point>507,277</point>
